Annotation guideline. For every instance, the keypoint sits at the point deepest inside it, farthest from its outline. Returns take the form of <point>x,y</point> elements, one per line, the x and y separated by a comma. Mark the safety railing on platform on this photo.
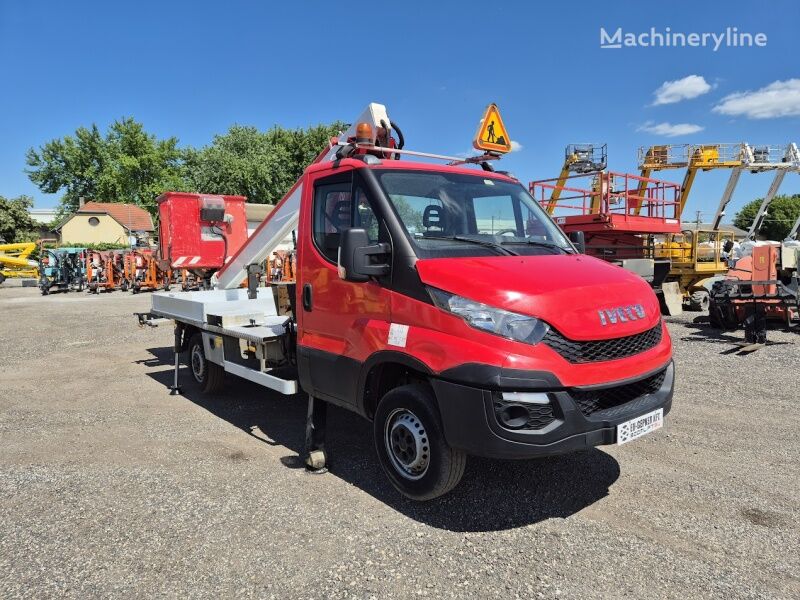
<point>621,195</point>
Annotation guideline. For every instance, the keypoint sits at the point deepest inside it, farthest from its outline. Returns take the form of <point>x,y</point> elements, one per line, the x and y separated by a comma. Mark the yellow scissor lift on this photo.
<point>696,254</point>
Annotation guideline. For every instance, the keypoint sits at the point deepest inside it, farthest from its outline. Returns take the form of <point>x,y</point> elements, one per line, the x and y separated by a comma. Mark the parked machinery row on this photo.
<point>76,269</point>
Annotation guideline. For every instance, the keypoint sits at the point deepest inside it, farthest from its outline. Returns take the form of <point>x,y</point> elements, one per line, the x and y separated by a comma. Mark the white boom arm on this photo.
<point>733,181</point>
<point>792,163</point>
<point>283,219</point>
<point>793,234</point>
<point>755,163</point>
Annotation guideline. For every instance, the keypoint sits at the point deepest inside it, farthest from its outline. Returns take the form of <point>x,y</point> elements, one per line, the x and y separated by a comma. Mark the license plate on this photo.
<point>636,428</point>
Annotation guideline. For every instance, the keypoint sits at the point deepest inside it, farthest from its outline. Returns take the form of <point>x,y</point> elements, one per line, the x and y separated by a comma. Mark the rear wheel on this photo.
<point>699,300</point>
<point>411,446</point>
<point>210,376</point>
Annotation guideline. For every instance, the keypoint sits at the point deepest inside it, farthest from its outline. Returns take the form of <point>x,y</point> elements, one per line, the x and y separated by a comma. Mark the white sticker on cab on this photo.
<point>397,335</point>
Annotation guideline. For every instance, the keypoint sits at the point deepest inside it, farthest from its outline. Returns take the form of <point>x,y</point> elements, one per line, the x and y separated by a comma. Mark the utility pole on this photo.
<point>697,220</point>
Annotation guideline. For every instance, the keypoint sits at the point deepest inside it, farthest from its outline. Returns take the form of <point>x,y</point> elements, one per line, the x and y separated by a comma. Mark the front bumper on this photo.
<point>577,420</point>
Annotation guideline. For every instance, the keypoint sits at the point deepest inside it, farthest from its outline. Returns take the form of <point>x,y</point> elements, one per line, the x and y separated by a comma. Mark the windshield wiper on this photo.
<point>542,244</point>
<point>485,243</point>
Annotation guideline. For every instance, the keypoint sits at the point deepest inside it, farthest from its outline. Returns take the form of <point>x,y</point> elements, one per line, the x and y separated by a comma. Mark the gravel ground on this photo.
<point>109,486</point>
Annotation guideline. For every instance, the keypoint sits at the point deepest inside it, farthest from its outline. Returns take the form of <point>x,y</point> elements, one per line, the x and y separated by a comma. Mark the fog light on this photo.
<point>513,416</point>
<point>523,410</point>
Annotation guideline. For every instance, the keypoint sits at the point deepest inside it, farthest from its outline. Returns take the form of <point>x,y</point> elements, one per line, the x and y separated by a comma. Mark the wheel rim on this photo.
<point>407,444</point>
<point>198,363</point>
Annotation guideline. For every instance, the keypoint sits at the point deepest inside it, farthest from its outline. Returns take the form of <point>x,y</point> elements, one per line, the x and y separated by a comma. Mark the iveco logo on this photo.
<point>621,314</point>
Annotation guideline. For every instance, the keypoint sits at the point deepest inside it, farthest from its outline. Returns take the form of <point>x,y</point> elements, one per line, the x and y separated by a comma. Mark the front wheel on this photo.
<point>411,446</point>
<point>699,300</point>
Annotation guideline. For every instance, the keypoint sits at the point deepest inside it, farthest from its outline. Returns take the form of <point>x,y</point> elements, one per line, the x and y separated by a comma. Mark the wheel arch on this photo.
<point>383,371</point>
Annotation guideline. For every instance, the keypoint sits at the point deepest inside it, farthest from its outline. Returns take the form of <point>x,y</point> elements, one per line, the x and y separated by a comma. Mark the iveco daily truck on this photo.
<point>439,301</point>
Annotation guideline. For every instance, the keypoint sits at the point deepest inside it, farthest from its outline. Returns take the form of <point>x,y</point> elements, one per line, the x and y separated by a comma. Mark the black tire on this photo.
<point>411,446</point>
<point>2,278</point>
<point>210,376</point>
<point>699,300</point>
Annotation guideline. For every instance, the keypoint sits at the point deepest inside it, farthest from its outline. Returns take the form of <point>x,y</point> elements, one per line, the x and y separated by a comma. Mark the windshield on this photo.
<point>453,214</point>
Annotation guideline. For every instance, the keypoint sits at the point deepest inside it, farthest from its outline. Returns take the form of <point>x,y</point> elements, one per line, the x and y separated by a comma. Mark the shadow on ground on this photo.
<point>705,333</point>
<point>494,495</point>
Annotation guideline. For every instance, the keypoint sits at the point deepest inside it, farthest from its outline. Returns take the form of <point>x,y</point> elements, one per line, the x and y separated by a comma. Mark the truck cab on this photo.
<point>442,303</point>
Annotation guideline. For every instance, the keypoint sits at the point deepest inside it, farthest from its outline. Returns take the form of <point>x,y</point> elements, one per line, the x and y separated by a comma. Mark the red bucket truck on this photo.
<point>440,302</point>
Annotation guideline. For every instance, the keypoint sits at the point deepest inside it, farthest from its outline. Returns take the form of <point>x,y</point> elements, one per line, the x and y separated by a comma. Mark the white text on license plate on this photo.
<point>636,428</point>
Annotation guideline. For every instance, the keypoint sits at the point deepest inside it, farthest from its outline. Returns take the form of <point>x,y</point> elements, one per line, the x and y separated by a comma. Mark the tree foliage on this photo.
<point>781,215</point>
<point>16,224</point>
<point>261,165</point>
<point>126,165</point>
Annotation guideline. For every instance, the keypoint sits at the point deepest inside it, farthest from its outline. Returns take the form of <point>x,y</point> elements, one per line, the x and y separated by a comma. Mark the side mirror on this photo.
<point>358,259</point>
<point>578,240</point>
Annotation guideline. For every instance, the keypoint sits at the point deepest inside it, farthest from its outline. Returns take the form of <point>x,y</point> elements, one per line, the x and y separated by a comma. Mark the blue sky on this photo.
<point>191,69</point>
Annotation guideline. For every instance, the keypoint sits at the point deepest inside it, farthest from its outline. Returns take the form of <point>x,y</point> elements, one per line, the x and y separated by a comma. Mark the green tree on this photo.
<point>16,224</point>
<point>261,165</point>
<point>126,165</point>
<point>781,215</point>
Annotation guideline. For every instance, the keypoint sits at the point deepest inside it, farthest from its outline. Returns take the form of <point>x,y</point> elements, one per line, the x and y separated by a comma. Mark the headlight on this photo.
<point>521,328</point>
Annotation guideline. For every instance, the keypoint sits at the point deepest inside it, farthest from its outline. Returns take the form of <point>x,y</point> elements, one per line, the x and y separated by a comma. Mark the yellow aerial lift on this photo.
<point>14,261</point>
<point>696,255</point>
<point>691,157</point>
<point>579,159</point>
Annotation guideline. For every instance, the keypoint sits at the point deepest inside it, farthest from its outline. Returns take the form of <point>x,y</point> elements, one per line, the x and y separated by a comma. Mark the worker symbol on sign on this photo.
<point>492,135</point>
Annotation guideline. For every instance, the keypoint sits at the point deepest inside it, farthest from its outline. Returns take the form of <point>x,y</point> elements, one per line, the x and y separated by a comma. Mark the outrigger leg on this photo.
<point>316,458</point>
<point>175,390</point>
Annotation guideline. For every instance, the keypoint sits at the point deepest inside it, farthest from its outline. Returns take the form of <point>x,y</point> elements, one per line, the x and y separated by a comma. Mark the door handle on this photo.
<point>307,297</point>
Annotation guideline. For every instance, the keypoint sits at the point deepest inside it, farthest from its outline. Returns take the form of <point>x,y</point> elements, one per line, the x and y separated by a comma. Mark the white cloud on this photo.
<point>516,146</point>
<point>670,130</point>
<point>681,89</point>
<point>778,99</point>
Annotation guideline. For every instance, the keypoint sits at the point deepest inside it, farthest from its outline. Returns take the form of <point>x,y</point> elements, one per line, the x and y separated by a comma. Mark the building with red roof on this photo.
<point>106,223</point>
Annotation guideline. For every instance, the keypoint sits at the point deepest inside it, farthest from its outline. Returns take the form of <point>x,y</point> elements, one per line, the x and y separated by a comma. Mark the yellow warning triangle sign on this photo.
<point>492,135</point>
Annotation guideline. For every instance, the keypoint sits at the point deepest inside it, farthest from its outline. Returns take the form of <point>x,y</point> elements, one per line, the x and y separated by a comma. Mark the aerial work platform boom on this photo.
<point>579,159</point>
<point>758,160</point>
<point>692,157</point>
<point>794,233</point>
<point>15,261</point>
<point>283,219</point>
